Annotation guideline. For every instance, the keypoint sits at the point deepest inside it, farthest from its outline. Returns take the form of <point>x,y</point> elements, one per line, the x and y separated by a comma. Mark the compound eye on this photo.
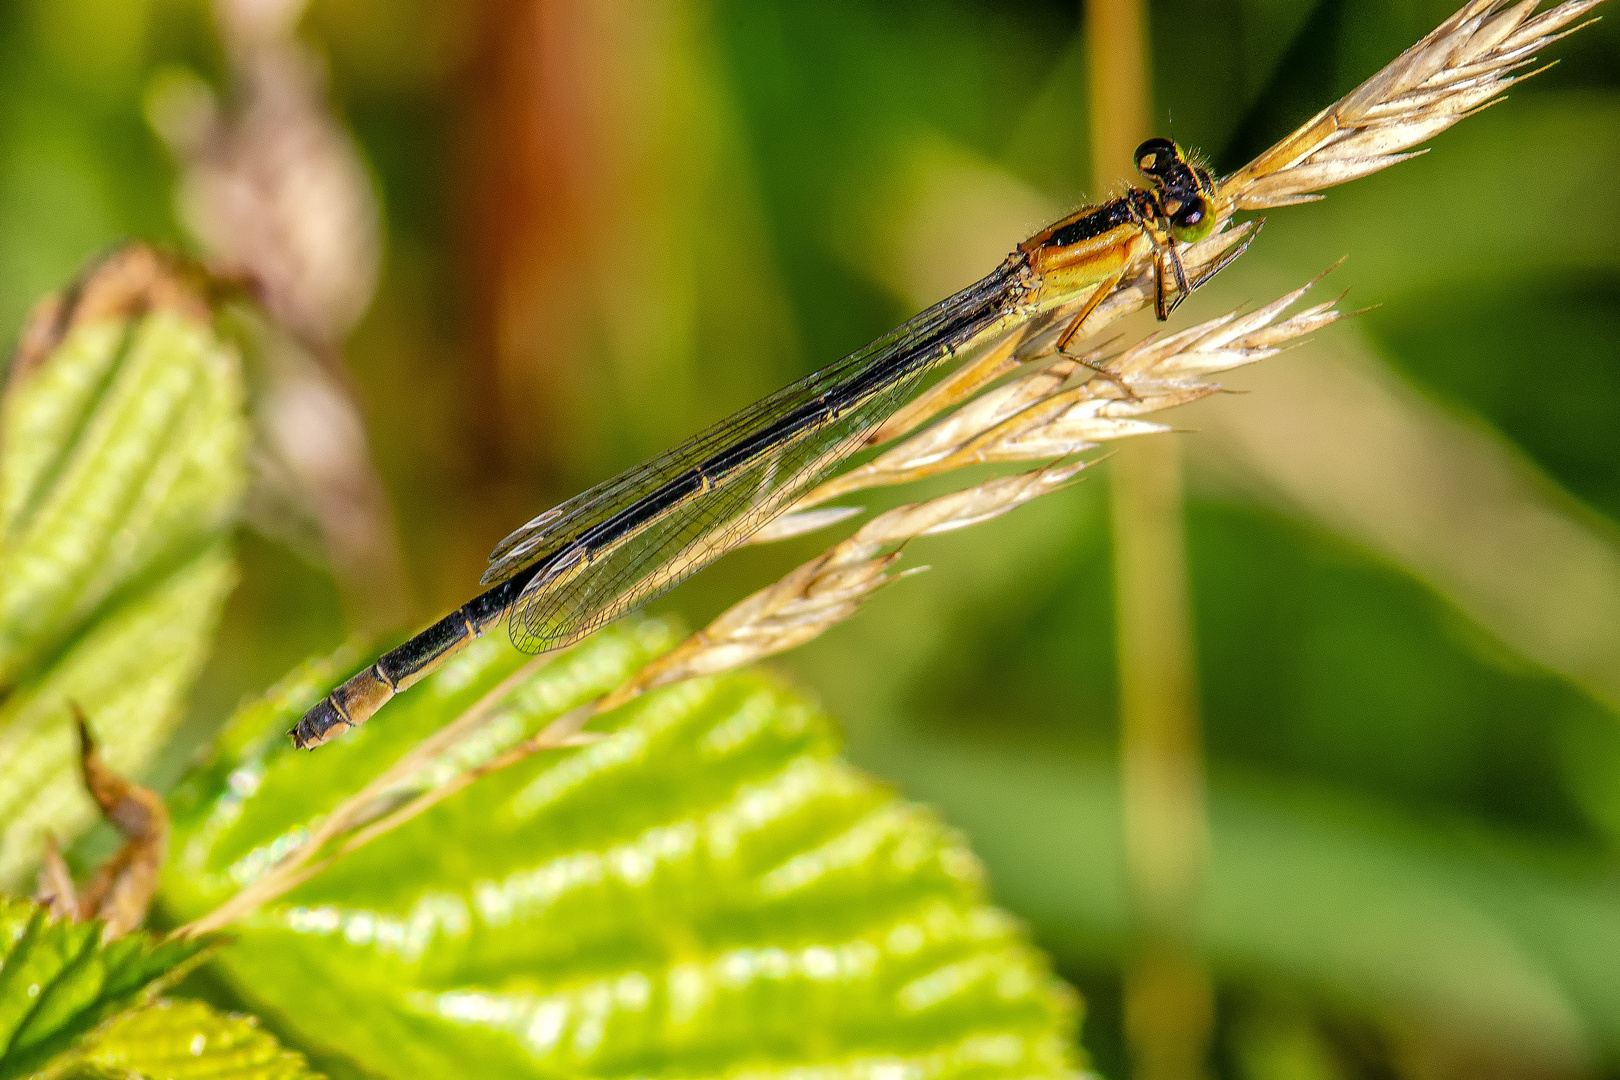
<point>1154,155</point>
<point>1194,221</point>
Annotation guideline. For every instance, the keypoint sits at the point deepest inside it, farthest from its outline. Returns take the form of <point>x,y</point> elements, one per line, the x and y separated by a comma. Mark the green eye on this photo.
<point>1193,222</point>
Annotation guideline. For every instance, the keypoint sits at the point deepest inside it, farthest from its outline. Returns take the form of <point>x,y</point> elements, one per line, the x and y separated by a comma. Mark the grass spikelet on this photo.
<point>1074,404</point>
<point>1458,69</point>
<point>1461,67</point>
<point>831,587</point>
<point>1041,416</point>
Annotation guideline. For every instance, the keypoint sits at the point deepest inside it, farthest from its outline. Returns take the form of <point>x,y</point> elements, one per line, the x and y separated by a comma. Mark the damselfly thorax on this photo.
<point>1094,246</point>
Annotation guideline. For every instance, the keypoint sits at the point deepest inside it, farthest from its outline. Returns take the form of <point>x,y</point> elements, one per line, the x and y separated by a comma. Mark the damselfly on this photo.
<point>629,539</point>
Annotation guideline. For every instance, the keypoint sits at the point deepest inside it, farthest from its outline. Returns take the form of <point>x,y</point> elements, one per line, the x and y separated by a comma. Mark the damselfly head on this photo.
<point>1185,189</point>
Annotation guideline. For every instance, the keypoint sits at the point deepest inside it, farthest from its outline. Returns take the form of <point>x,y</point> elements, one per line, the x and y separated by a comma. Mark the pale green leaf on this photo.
<point>58,981</point>
<point>188,1040</point>
<point>1505,940</point>
<point>110,471</point>
<point>711,891</point>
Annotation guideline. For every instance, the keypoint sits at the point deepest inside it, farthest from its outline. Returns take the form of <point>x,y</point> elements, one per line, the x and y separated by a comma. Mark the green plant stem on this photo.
<point>1168,996</point>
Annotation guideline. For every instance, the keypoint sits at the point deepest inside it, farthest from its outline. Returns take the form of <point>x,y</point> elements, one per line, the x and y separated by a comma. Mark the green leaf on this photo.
<point>711,891</point>
<point>130,674</point>
<point>121,466</point>
<point>188,1040</point>
<point>58,981</point>
<point>123,450</point>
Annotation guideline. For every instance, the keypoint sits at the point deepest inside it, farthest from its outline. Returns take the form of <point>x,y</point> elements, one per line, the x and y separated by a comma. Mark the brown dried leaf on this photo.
<point>121,889</point>
<point>126,284</point>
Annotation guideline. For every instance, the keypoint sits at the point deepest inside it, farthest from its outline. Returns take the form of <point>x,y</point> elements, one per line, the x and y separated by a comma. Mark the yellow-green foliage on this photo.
<point>711,891</point>
<point>59,981</point>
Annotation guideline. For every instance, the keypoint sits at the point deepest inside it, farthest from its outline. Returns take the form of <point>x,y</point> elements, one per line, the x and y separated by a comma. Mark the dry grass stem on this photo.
<point>381,799</point>
<point>1064,408</point>
<point>962,383</point>
<point>801,522</point>
<point>1036,339</point>
<point>1040,416</point>
<point>831,587</point>
<point>400,806</point>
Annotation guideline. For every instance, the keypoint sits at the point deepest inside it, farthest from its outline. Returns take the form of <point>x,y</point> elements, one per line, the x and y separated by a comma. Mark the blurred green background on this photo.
<point>603,224</point>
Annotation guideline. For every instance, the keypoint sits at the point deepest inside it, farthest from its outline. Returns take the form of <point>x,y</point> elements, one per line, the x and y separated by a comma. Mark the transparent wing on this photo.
<point>590,509</point>
<point>578,596</point>
<point>629,539</point>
